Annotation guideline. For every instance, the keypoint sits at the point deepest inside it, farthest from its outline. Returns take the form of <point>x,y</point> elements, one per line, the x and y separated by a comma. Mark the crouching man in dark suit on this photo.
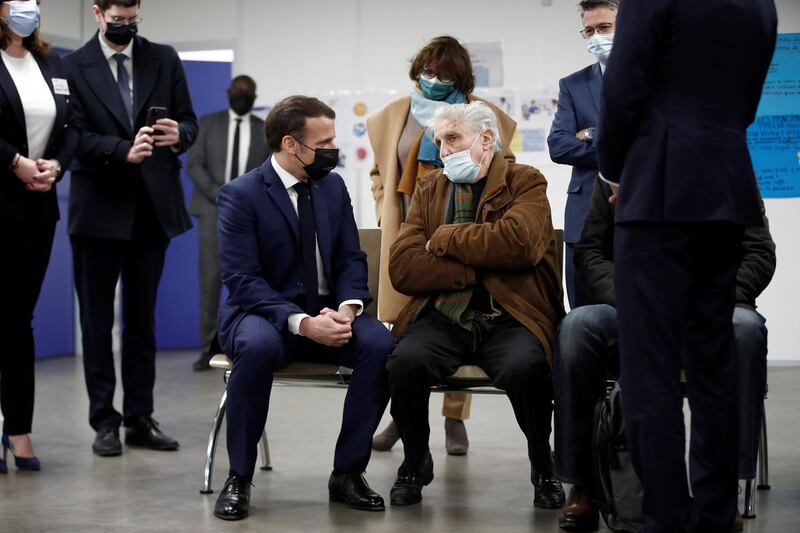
<point>587,353</point>
<point>297,283</point>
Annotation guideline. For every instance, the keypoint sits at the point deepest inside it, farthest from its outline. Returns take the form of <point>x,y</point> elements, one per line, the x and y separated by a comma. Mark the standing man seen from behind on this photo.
<point>126,202</point>
<point>297,285</point>
<point>573,135</point>
<point>230,143</point>
<point>676,107</point>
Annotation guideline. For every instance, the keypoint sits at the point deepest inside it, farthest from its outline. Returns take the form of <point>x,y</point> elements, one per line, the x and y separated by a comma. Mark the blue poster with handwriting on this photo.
<point>774,138</point>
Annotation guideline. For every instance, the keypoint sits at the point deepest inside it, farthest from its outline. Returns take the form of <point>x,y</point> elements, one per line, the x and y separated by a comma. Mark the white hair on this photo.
<point>476,116</point>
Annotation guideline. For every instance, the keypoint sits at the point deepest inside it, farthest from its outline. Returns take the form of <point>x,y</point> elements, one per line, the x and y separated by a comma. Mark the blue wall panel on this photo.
<point>54,317</point>
<point>178,294</point>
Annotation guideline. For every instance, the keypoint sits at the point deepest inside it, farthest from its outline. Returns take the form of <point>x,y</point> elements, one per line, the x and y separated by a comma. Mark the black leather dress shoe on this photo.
<point>407,488</point>
<point>354,490</point>
<point>202,363</point>
<point>143,432</point>
<point>234,500</point>
<point>548,492</point>
<point>106,442</point>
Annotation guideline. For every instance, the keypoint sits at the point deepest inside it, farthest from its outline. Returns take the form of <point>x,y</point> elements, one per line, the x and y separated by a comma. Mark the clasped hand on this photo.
<point>39,175</point>
<point>329,327</point>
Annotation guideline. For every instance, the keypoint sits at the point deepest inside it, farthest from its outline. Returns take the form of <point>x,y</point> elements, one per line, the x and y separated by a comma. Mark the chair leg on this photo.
<point>749,499</point>
<point>211,449</point>
<point>263,446</point>
<point>763,453</point>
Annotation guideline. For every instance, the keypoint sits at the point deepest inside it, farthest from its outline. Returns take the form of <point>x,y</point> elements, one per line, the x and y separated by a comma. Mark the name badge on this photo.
<point>60,86</point>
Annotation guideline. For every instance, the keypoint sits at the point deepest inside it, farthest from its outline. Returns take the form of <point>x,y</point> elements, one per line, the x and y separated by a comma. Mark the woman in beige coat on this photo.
<point>442,74</point>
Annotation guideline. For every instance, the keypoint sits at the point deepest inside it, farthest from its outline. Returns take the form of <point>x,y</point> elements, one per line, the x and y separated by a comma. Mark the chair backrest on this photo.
<point>370,239</point>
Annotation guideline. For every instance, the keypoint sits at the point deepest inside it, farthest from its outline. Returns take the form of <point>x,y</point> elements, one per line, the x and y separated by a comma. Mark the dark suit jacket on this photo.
<point>207,160</point>
<point>680,90</point>
<point>102,199</point>
<point>578,109</point>
<point>594,255</point>
<point>15,201</point>
<point>261,262</point>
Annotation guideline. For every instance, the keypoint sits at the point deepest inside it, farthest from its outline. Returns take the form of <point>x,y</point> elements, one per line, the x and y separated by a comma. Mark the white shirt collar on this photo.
<point>233,116</point>
<point>109,52</point>
<point>602,68</point>
<point>288,180</point>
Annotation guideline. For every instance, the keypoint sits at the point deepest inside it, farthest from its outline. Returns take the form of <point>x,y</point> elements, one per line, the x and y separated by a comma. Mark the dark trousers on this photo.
<point>510,354</point>
<point>576,296</point>
<point>27,245</point>
<point>587,356</point>
<point>210,282</point>
<point>676,285</point>
<point>99,263</point>
<point>259,350</point>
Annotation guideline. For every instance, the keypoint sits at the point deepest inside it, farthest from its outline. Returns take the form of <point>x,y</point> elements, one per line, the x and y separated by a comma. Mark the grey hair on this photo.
<point>589,5</point>
<point>476,116</point>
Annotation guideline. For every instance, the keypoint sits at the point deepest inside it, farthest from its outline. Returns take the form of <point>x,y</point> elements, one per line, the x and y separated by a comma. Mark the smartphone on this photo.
<point>153,114</point>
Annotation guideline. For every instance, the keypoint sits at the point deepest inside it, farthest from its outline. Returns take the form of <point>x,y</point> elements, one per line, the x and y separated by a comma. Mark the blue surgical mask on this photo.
<point>460,168</point>
<point>433,89</point>
<point>600,47</point>
<point>23,17</point>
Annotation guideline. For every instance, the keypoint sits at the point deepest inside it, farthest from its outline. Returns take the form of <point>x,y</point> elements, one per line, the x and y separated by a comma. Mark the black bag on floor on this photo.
<point>616,485</point>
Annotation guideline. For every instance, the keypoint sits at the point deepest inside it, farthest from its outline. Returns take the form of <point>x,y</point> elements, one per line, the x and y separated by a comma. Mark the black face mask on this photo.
<point>325,160</point>
<point>121,34</point>
<point>242,103</point>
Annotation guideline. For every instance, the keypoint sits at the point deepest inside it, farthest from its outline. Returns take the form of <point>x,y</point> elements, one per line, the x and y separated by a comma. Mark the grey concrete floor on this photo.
<point>488,490</point>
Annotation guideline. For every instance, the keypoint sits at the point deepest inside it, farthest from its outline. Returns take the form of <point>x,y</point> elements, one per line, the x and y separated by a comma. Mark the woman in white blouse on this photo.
<point>36,143</point>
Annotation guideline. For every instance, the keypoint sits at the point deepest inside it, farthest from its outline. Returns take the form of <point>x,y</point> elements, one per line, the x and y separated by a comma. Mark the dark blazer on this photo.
<point>594,255</point>
<point>673,127</point>
<point>261,262</point>
<point>15,201</point>
<point>104,186</point>
<point>578,109</point>
<point>207,160</point>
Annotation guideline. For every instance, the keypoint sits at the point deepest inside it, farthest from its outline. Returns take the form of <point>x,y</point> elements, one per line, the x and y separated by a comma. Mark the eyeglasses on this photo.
<point>429,73</point>
<point>121,21</point>
<point>601,29</point>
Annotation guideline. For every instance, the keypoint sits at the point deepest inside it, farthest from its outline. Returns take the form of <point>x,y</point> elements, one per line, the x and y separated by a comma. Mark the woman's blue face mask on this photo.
<point>23,17</point>
<point>434,89</point>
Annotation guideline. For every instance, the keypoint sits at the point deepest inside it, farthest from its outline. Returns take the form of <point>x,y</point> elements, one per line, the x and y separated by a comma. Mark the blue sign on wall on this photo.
<point>774,138</point>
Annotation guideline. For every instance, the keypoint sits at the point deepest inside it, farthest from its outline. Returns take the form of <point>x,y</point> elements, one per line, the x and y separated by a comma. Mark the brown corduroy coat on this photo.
<point>385,128</point>
<point>511,249</point>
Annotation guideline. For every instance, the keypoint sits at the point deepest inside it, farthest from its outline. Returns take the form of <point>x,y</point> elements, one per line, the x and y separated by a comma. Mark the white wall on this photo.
<point>314,46</point>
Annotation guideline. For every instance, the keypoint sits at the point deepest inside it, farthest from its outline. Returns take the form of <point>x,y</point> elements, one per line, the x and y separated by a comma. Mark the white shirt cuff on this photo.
<point>608,181</point>
<point>359,303</point>
<point>293,322</point>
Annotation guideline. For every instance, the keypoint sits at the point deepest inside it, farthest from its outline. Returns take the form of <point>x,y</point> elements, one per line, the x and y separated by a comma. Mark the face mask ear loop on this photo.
<point>473,144</point>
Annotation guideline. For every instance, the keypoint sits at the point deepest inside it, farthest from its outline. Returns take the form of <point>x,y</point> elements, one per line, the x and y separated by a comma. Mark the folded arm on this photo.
<point>415,271</point>
<point>565,148</point>
<point>518,240</point>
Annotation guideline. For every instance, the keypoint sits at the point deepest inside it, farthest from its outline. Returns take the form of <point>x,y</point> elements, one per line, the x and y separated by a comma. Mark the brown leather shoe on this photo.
<point>383,441</point>
<point>455,437</point>
<point>738,522</point>
<point>580,512</point>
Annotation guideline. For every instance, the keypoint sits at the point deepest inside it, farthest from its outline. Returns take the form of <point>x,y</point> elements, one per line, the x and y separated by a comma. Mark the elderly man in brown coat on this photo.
<point>477,254</point>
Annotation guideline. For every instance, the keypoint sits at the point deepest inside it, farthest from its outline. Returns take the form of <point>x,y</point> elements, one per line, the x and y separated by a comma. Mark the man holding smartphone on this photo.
<point>126,203</point>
